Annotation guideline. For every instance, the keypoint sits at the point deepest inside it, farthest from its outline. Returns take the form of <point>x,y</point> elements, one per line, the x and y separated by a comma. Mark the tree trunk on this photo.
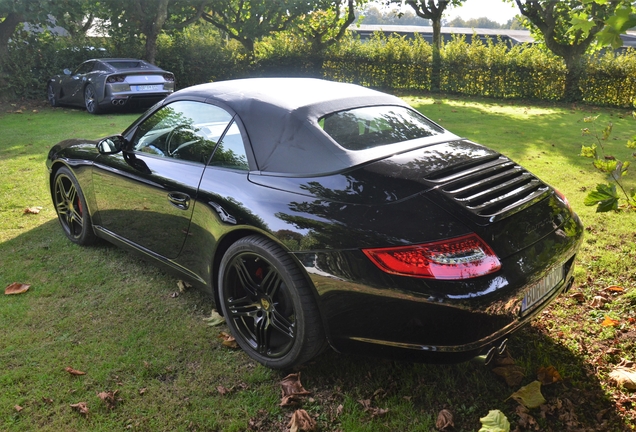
<point>437,61</point>
<point>154,30</point>
<point>7,28</point>
<point>574,66</point>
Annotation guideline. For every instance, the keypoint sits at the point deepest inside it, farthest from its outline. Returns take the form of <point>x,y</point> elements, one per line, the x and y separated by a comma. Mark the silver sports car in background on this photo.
<point>100,84</point>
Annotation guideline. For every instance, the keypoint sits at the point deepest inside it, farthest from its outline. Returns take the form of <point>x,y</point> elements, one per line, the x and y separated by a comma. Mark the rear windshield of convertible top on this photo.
<point>368,127</point>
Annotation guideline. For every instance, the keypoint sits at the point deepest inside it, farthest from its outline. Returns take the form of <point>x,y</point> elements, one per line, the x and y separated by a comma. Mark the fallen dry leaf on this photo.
<point>32,210</point>
<point>228,340</point>
<point>290,385</point>
<point>444,420</point>
<point>223,390</point>
<point>526,421</point>
<point>579,297</point>
<point>301,421</point>
<point>110,398</point>
<point>81,407</point>
<point>599,301</point>
<point>614,289</point>
<point>74,371</point>
<point>291,401</point>
<point>292,390</point>
<point>495,421</point>
<point>142,391</point>
<point>624,377</point>
<point>512,374</point>
<point>609,322</point>
<point>375,412</point>
<point>47,400</point>
<point>214,319</point>
<point>183,286</point>
<point>18,408</point>
<point>16,288</point>
<point>529,396</point>
<point>548,375</point>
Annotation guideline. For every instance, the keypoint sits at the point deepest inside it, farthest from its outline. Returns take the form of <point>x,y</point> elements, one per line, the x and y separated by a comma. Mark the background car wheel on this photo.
<point>51,96</point>
<point>71,208</point>
<point>90,100</point>
<point>268,304</point>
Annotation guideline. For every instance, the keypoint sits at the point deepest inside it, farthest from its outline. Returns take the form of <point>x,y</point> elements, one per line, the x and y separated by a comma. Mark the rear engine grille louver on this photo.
<point>493,189</point>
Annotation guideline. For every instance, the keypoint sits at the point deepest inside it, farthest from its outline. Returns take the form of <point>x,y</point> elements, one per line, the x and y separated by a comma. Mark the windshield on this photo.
<point>369,127</point>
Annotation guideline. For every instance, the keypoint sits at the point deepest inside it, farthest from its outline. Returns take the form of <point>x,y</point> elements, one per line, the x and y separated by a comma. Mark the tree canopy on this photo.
<point>568,28</point>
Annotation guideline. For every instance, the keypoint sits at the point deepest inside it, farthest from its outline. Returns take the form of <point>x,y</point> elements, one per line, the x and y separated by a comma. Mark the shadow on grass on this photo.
<point>469,390</point>
<point>413,393</point>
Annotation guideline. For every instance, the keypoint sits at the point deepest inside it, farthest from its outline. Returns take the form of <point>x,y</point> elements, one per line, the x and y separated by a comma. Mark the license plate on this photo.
<point>149,87</point>
<point>542,288</point>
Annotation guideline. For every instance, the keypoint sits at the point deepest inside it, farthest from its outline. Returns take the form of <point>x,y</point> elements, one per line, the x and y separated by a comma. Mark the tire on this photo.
<point>50,95</point>
<point>269,305</point>
<point>71,208</point>
<point>90,100</point>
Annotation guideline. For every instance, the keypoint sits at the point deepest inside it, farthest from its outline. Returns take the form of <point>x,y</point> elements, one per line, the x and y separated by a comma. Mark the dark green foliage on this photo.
<point>197,54</point>
<point>200,54</point>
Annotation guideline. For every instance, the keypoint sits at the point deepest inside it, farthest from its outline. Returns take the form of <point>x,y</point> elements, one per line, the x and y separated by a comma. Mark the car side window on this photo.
<point>230,153</point>
<point>84,68</point>
<point>183,130</point>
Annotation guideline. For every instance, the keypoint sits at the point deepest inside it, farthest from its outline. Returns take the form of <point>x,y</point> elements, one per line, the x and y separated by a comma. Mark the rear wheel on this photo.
<point>268,304</point>
<point>90,100</point>
<point>71,209</point>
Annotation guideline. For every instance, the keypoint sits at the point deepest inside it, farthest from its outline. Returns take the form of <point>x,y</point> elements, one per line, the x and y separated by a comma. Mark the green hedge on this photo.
<point>200,54</point>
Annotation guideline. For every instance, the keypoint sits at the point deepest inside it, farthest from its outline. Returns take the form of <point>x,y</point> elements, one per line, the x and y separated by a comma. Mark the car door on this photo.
<point>145,196</point>
<point>73,85</point>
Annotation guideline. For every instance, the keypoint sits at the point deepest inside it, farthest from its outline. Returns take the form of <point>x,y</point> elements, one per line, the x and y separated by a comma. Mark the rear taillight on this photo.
<point>168,77</point>
<point>457,258</point>
<point>115,79</point>
<point>562,198</point>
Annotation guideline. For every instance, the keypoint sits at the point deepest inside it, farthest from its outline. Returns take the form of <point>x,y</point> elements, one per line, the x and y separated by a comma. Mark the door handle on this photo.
<point>179,200</point>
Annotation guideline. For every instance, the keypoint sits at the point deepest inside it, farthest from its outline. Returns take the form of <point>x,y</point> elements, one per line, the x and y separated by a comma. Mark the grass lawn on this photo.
<point>116,318</point>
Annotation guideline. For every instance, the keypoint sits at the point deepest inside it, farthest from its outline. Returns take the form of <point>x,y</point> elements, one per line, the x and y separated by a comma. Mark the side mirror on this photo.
<point>67,71</point>
<point>111,145</point>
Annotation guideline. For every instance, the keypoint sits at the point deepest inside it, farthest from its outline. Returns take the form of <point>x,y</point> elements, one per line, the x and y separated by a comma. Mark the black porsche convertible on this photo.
<point>325,214</point>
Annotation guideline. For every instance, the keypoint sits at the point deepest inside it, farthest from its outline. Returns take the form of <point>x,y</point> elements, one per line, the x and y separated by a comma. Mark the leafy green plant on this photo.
<point>606,196</point>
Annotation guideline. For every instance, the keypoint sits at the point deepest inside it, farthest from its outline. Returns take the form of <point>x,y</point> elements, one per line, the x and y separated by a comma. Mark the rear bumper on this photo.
<point>429,320</point>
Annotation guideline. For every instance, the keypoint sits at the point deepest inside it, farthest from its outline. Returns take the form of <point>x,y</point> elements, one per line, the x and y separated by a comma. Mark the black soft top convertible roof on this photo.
<point>281,117</point>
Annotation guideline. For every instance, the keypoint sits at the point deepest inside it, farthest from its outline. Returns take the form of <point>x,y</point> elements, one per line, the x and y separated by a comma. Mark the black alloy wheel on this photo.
<point>268,304</point>
<point>71,209</point>
<point>50,94</point>
<point>90,100</point>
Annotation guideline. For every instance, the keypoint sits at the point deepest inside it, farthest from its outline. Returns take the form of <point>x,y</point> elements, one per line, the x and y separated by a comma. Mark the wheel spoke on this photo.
<point>282,324</point>
<point>246,280</point>
<point>261,335</point>
<point>243,307</point>
<point>271,282</point>
<point>76,218</point>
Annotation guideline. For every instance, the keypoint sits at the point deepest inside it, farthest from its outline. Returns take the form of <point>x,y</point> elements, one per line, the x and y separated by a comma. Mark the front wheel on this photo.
<point>50,94</point>
<point>90,100</point>
<point>268,304</point>
<point>71,209</point>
